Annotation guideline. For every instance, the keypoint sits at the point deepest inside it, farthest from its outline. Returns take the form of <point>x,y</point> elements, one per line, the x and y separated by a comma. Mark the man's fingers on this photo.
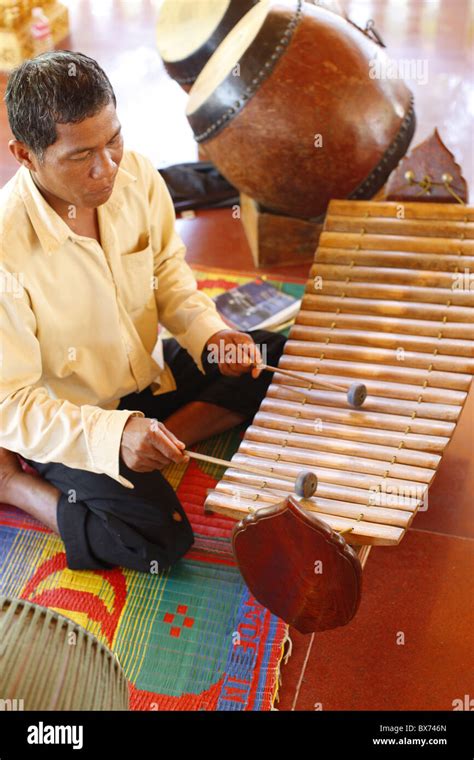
<point>258,355</point>
<point>157,426</point>
<point>180,445</point>
<point>161,426</point>
<point>249,351</point>
<point>231,370</point>
<point>252,355</point>
<point>164,444</point>
<point>241,355</point>
<point>168,449</point>
<point>172,437</point>
<point>150,465</point>
<point>257,368</point>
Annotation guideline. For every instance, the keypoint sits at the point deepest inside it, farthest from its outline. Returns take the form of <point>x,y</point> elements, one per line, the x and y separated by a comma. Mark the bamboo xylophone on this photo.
<point>388,303</point>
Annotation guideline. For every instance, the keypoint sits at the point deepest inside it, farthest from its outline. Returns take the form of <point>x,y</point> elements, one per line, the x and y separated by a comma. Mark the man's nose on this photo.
<point>103,167</point>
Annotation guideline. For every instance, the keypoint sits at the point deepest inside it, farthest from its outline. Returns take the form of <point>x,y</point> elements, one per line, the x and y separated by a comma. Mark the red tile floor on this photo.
<point>410,645</point>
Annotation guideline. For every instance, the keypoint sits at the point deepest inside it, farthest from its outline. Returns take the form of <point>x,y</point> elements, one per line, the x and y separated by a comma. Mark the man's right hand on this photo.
<point>148,445</point>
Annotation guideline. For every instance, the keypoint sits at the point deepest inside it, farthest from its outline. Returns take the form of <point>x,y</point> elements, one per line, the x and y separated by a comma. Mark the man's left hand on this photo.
<point>235,353</point>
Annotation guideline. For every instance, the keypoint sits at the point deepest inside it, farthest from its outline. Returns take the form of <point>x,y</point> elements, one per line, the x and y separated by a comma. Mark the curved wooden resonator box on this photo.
<point>298,567</point>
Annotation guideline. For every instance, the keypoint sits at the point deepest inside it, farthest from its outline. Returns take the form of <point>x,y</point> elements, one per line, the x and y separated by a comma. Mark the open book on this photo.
<point>256,305</point>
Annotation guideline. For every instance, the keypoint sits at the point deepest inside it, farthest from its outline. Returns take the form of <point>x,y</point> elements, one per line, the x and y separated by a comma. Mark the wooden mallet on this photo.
<point>356,393</point>
<point>305,484</point>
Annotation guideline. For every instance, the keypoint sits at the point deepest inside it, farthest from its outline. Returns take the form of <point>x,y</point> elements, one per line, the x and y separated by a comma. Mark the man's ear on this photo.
<point>22,154</point>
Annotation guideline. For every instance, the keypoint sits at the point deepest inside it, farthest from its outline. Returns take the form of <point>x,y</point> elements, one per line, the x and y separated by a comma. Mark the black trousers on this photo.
<point>104,524</point>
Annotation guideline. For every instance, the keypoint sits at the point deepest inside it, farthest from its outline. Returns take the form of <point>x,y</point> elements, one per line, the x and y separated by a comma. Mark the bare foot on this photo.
<point>9,468</point>
<point>21,489</point>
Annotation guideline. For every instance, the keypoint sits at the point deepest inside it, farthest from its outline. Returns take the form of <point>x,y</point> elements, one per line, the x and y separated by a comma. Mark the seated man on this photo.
<point>90,263</point>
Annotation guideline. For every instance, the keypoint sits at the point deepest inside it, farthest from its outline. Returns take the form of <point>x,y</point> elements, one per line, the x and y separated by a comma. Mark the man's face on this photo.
<point>81,166</point>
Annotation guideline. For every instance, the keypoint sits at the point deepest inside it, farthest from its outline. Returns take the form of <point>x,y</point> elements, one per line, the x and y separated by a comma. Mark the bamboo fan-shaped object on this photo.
<point>48,662</point>
<point>388,303</point>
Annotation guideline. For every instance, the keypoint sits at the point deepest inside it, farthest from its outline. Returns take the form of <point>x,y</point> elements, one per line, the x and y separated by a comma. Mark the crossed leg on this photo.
<point>152,521</point>
<point>39,498</point>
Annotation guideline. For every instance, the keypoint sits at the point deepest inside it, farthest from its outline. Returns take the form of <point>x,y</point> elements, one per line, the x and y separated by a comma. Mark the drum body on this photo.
<point>189,32</point>
<point>289,112</point>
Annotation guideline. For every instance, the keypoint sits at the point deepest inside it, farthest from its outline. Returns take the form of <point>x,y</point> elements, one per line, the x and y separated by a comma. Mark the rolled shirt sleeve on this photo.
<point>43,428</point>
<point>187,313</point>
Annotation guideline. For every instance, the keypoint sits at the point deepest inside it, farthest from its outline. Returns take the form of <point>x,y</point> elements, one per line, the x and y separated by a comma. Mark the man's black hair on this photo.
<point>58,87</point>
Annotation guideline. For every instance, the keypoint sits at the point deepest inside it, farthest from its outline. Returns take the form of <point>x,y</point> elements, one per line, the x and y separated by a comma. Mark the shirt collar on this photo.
<point>52,231</point>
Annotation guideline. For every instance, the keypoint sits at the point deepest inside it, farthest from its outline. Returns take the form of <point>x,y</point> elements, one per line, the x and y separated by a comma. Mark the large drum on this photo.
<point>288,109</point>
<point>189,31</point>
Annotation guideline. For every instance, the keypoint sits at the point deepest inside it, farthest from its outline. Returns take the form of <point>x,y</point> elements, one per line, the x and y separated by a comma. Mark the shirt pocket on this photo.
<point>137,279</point>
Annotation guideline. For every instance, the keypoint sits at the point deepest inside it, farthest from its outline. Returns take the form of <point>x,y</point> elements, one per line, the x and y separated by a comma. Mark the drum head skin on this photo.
<point>189,31</point>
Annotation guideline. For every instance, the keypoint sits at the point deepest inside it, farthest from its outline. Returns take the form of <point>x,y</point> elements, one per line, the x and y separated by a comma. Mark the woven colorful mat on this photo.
<point>192,638</point>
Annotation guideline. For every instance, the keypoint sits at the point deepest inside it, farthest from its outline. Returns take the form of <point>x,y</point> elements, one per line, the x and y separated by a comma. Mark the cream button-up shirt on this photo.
<point>79,320</point>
